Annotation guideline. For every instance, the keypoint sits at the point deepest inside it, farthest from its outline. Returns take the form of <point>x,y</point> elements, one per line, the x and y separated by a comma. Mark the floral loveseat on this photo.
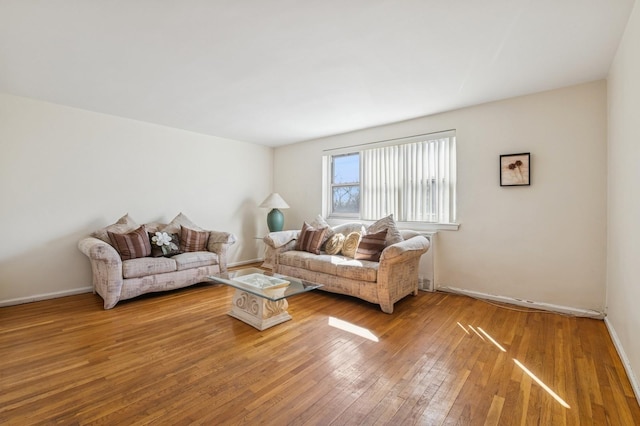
<point>128,260</point>
<point>376,263</point>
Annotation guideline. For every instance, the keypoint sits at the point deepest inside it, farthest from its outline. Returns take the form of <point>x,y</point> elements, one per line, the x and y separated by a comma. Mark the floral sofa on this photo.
<point>382,276</point>
<point>128,260</point>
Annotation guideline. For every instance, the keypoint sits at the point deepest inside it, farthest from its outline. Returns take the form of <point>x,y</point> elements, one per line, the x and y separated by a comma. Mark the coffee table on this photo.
<point>260,297</point>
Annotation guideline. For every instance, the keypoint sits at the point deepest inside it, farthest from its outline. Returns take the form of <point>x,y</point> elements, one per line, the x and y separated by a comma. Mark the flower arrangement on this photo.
<point>164,241</point>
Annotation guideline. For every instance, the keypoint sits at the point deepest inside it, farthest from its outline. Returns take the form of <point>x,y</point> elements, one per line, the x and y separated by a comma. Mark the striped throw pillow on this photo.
<point>371,246</point>
<point>131,245</point>
<point>310,238</point>
<point>192,240</point>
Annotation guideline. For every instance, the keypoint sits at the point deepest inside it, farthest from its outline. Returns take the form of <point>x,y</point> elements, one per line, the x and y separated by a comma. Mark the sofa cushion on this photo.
<point>360,270</point>
<point>296,259</point>
<point>144,266</point>
<point>122,226</point>
<point>393,233</point>
<point>371,246</point>
<point>195,259</point>
<point>340,266</point>
<point>325,263</point>
<point>131,245</point>
<point>310,238</point>
<point>193,240</point>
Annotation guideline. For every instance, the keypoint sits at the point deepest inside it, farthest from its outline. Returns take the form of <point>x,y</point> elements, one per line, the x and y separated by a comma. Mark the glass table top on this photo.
<point>264,284</point>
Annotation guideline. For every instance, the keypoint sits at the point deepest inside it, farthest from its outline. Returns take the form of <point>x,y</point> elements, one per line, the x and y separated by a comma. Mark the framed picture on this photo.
<point>515,169</point>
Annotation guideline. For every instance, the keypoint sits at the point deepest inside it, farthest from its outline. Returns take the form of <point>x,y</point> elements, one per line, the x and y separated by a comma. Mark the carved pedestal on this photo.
<point>258,312</point>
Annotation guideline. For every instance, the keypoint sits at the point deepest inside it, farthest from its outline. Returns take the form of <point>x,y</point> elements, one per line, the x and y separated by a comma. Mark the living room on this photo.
<point>565,242</point>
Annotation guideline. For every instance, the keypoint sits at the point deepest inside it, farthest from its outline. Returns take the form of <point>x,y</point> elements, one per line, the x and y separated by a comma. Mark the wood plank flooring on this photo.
<point>176,358</point>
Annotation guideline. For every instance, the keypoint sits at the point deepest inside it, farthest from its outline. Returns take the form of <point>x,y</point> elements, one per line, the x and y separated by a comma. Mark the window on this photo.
<point>345,184</point>
<point>412,178</point>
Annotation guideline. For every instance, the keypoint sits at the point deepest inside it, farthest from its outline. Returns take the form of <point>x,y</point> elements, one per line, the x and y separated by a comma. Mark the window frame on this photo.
<point>337,218</point>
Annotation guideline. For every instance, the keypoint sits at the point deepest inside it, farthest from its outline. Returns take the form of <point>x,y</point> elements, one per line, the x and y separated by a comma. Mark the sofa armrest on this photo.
<point>281,238</point>
<point>277,243</point>
<point>398,252</point>
<point>106,267</point>
<point>219,243</point>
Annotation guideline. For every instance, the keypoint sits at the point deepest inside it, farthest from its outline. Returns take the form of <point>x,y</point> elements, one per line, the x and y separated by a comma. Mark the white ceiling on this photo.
<point>275,72</point>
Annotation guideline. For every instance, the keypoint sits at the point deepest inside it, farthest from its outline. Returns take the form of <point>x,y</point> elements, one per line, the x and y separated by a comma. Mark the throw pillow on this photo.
<point>371,246</point>
<point>334,244</point>
<point>181,220</point>
<point>122,226</point>
<point>393,233</point>
<point>351,244</point>
<point>163,244</point>
<point>310,238</point>
<point>193,240</point>
<point>131,245</point>
<point>320,222</point>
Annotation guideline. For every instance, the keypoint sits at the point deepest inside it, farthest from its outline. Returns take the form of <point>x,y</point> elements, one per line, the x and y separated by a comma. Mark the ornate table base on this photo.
<point>257,311</point>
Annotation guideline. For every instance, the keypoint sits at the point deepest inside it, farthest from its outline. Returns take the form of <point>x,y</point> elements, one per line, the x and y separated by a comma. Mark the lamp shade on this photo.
<point>275,218</point>
<point>274,201</point>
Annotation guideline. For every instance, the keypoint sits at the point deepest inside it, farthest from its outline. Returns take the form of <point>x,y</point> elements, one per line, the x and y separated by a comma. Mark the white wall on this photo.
<point>65,172</point>
<point>544,243</point>
<point>623,265</point>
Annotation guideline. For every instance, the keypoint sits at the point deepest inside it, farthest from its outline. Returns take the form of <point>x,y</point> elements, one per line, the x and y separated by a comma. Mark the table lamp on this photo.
<point>275,218</point>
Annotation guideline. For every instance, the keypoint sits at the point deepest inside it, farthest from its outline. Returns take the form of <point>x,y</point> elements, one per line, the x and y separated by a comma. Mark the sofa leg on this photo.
<point>387,308</point>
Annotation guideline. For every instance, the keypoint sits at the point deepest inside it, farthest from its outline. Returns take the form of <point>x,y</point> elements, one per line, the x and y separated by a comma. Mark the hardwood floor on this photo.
<point>177,358</point>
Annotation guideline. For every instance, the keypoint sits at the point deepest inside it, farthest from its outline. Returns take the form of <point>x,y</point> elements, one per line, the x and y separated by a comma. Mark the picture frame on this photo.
<point>515,169</point>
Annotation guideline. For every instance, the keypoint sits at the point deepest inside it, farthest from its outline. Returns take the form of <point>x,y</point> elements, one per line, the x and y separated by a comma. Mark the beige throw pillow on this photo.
<point>334,244</point>
<point>350,245</point>
<point>393,233</point>
<point>122,226</point>
<point>181,220</point>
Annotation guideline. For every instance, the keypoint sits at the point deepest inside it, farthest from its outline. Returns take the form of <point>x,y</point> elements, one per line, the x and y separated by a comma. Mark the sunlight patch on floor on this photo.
<point>518,363</point>
<point>462,327</point>
<point>542,384</point>
<point>475,331</point>
<point>352,328</point>
<point>492,339</point>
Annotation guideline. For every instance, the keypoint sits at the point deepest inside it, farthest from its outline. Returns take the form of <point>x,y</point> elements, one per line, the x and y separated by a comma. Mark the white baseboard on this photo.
<point>526,303</point>
<point>55,295</point>
<point>245,262</point>
<point>45,296</point>
<point>635,385</point>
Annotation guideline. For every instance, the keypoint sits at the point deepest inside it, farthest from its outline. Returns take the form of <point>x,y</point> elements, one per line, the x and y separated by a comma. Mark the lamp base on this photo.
<point>275,220</point>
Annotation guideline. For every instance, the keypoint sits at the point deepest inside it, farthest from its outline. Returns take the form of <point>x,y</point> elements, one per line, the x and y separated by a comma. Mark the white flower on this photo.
<point>161,239</point>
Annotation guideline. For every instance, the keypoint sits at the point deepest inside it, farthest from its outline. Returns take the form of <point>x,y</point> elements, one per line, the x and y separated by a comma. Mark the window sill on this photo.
<point>427,226</point>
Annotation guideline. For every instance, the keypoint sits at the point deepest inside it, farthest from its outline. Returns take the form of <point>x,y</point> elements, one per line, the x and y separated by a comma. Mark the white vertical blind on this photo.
<point>416,182</point>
